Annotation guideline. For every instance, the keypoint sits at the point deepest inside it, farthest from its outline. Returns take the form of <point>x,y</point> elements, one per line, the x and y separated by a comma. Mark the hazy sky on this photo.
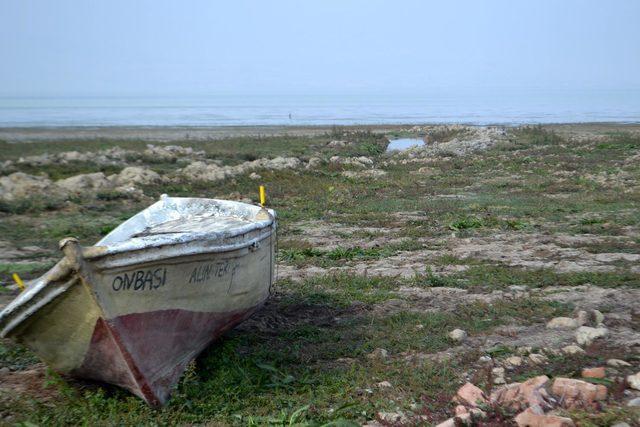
<point>152,47</point>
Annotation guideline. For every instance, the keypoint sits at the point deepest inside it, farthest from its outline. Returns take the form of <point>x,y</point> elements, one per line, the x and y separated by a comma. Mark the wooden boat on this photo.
<point>137,307</point>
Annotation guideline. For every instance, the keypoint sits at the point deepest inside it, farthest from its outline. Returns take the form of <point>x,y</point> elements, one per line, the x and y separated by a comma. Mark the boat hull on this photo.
<point>139,324</point>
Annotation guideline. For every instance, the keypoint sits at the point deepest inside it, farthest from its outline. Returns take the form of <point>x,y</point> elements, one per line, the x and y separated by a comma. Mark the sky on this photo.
<point>190,47</point>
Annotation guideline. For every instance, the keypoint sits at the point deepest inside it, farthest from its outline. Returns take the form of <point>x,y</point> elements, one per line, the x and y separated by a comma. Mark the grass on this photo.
<point>305,360</point>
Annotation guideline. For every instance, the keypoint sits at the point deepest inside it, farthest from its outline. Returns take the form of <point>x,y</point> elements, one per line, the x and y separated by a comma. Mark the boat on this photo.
<point>137,307</point>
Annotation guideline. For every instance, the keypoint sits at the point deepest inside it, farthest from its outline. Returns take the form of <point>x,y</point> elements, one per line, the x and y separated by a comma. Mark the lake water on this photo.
<point>404,143</point>
<point>459,106</point>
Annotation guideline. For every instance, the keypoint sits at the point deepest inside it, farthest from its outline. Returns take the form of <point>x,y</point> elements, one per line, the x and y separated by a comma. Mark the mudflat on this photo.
<point>490,255</point>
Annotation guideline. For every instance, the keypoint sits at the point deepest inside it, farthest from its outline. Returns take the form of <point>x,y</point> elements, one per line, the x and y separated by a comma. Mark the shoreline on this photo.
<point>203,133</point>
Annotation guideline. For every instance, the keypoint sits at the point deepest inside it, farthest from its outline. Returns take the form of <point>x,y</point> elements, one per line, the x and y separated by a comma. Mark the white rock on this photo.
<point>598,317</point>
<point>634,381</point>
<point>617,363</point>
<point>458,335</point>
<point>585,335</point>
<point>582,317</point>
<point>514,361</point>
<point>537,359</point>
<point>498,376</point>
<point>621,424</point>
<point>562,323</point>
<point>254,176</point>
<point>384,384</point>
<point>572,349</point>
<point>85,182</point>
<point>634,402</point>
<point>133,175</point>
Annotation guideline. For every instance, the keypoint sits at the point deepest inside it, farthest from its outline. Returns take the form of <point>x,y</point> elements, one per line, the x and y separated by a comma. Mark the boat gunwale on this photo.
<point>48,287</point>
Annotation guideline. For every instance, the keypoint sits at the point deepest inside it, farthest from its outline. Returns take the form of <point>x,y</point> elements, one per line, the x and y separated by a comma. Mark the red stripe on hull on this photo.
<point>147,353</point>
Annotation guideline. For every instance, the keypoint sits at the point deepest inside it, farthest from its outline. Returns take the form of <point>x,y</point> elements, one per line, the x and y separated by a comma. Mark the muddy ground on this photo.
<point>493,231</point>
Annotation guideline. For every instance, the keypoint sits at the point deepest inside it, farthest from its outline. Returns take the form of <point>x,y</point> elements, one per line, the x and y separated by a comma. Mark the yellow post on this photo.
<point>263,196</point>
<point>19,281</point>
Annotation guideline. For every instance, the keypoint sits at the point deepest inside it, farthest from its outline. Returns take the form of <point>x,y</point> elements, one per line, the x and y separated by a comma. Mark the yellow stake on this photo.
<point>263,196</point>
<point>18,281</point>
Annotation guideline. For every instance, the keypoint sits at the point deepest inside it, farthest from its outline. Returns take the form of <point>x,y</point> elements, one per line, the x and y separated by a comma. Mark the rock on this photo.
<point>634,381</point>
<point>537,359</point>
<point>617,363</point>
<point>4,370</point>
<point>524,350</point>
<point>519,396</point>
<point>582,317</point>
<point>634,402</point>
<point>361,162</point>
<point>573,394</point>
<point>384,384</point>
<point>393,418</point>
<point>598,317</point>
<point>85,183</point>
<point>485,359</point>
<point>598,372</point>
<point>20,185</point>
<point>171,152</point>
<point>461,410</point>
<point>369,173</point>
<point>314,162</point>
<point>498,375</point>
<point>470,395</point>
<point>621,424</point>
<point>254,176</point>
<point>513,361</point>
<point>562,323</point>
<point>378,354</point>
<point>536,418</point>
<point>458,335</point>
<point>585,335</point>
<point>133,175</point>
<point>337,144</point>
<point>572,349</point>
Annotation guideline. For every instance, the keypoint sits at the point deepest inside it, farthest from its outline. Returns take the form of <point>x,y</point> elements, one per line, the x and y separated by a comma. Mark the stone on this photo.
<point>572,394</point>
<point>314,162</point>
<point>369,173</point>
<point>617,363</point>
<point>498,375</point>
<point>19,185</point>
<point>634,402</point>
<point>634,381</point>
<point>384,384</point>
<point>254,176</point>
<point>572,349</point>
<point>519,396</point>
<point>461,410</point>
<point>598,372</point>
<point>534,418</point>
<point>133,175</point>
<point>523,351</point>
<point>378,353</point>
<point>582,317</point>
<point>4,370</point>
<point>562,323</point>
<point>85,183</point>
<point>458,335</point>
<point>621,424</point>
<point>598,317</point>
<point>513,361</point>
<point>470,395</point>
<point>537,359</point>
<point>585,335</point>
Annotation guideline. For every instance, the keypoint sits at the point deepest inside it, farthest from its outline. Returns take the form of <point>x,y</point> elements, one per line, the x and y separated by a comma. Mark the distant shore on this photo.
<point>182,133</point>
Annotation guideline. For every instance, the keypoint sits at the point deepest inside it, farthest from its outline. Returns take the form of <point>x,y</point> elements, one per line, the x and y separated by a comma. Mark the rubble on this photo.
<point>573,393</point>
<point>585,335</point>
